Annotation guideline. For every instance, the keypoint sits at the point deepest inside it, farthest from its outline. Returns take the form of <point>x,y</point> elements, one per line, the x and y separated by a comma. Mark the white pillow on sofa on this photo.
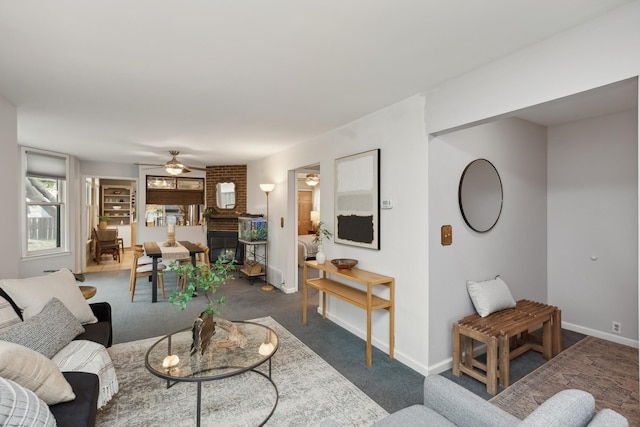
<point>31,294</point>
<point>489,296</point>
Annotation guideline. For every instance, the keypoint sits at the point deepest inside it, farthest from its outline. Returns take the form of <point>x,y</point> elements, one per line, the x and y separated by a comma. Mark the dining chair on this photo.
<point>201,260</point>
<point>144,259</point>
<point>106,242</point>
<point>145,270</point>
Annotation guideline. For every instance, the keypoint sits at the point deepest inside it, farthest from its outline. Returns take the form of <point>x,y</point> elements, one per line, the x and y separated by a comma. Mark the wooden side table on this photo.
<point>505,333</point>
<point>88,291</point>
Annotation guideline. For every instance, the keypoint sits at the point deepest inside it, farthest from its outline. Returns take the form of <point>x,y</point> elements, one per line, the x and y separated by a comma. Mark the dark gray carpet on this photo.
<point>390,383</point>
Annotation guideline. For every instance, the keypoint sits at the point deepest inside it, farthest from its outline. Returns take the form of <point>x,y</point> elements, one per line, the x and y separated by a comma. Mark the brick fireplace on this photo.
<point>222,229</point>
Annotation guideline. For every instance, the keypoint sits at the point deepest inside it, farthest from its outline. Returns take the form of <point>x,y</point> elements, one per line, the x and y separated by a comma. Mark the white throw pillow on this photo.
<point>489,296</point>
<point>33,293</point>
<point>32,370</point>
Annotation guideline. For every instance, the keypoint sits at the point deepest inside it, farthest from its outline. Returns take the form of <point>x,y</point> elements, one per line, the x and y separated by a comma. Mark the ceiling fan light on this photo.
<point>173,166</point>
<point>174,170</point>
<point>312,180</point>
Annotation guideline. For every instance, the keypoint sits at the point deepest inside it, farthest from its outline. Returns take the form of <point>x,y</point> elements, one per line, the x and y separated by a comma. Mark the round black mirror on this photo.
<point>480,195</point>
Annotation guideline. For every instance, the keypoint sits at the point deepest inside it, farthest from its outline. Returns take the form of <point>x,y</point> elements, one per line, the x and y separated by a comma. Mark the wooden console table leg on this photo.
<point>369,304</point>
<point>304,294</point>
<point>324,305</point>
<point>392,334</point>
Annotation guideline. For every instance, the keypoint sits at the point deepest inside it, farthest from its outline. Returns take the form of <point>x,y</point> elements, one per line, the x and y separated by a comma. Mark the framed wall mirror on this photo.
<point>480,195</point>
<point>226,195</point>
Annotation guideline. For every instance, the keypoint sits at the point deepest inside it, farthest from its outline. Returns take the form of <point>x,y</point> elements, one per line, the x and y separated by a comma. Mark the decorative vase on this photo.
<point>102,225</point>
<point>321,257</point>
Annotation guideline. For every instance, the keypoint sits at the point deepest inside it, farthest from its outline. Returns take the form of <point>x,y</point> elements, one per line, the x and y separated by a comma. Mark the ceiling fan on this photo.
<point>174,166</point>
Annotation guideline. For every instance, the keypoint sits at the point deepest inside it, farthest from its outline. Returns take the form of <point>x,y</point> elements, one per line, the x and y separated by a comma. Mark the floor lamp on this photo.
<point>267,188</point>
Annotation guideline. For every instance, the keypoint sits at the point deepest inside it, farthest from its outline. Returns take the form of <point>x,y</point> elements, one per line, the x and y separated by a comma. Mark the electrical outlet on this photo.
<point>616,327</point>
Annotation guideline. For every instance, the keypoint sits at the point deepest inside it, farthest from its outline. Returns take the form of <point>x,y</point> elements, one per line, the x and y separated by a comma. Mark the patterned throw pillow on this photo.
<point>46,332</point>
<point>8,316</point>
<point>20,406</point>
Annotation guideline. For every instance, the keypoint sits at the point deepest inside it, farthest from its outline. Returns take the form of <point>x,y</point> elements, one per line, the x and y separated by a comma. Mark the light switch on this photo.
<point>446,235</point>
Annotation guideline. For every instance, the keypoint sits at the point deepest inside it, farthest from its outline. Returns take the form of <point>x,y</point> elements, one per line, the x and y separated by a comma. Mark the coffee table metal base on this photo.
<point>199,401</point>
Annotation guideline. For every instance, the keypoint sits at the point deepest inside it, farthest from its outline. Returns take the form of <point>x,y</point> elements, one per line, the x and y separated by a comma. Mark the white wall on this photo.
<point>399,132</point>
<point>515,248</point>
<point>593,212</point>
<point>597,53</point>
<point>9,164</point>
<point>591,55</point>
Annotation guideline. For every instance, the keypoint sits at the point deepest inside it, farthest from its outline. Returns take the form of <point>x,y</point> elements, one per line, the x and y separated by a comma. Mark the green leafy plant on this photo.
<point>259,234</point>
<point>209,213</point>
<point>104,218</point>
<point>321,234</point>
<point>201,280</point>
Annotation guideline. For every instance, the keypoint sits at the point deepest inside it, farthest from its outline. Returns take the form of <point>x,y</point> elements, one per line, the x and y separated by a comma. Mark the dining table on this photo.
<point>155,250</point>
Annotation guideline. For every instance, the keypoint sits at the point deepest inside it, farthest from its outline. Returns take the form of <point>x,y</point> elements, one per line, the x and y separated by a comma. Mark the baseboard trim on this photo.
<point>384,346</point>
<point>599,334</point>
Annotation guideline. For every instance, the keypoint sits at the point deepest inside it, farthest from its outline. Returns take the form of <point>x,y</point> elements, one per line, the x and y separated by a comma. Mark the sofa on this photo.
<point>447,404</point>
<point>86,327</point>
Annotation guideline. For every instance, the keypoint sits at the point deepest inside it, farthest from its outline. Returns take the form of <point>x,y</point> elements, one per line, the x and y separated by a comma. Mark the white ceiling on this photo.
<point>228,82</point>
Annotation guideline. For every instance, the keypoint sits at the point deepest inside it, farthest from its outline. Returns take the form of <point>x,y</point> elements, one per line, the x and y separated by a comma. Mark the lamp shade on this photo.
<point>315,216</point>
<point>267,188</point>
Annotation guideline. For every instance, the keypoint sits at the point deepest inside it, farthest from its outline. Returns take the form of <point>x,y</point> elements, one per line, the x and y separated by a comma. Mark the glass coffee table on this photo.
<point>170,358</point>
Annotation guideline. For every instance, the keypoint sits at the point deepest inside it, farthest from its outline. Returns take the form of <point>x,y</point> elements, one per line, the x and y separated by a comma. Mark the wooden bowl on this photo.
<point>344,263</point>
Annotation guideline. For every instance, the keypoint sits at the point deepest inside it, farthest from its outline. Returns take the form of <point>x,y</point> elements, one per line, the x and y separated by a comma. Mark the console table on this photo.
<point>360,298</point>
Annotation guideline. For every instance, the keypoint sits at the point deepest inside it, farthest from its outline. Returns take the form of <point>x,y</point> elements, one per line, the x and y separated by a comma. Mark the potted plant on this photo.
<point>321,234</point>
<point>103,220</point>
<point>203,280</point>
<point>208,213</point>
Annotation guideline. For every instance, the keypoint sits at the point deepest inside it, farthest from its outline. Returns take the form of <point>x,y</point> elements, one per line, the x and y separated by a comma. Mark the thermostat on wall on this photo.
<point>386,204</point>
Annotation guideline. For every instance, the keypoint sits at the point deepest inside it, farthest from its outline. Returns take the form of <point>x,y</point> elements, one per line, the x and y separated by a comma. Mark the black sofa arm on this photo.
<point>102,311</point>
<point>81,411</point>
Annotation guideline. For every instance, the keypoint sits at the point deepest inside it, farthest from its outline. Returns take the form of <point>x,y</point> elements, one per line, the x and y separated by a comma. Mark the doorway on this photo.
<point>114,198</point>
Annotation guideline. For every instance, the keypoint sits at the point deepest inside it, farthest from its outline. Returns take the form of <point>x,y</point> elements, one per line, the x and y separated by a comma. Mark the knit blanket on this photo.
<point>88,356</point>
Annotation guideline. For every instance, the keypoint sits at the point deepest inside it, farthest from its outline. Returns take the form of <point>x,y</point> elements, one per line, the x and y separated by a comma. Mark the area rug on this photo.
<point>310,392</point>
<point>607,370</point>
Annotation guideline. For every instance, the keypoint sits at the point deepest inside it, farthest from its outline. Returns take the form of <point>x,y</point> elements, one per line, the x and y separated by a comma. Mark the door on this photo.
<point>305,206</point>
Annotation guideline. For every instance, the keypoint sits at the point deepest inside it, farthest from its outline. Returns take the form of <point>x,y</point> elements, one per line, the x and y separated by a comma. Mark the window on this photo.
<point>46,198</point>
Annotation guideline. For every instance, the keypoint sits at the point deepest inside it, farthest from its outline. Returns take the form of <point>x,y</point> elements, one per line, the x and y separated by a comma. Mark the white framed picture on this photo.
<point>356,204</point>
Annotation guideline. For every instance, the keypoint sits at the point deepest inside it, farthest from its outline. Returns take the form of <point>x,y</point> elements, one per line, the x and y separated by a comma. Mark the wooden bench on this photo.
<point>506,335</point>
